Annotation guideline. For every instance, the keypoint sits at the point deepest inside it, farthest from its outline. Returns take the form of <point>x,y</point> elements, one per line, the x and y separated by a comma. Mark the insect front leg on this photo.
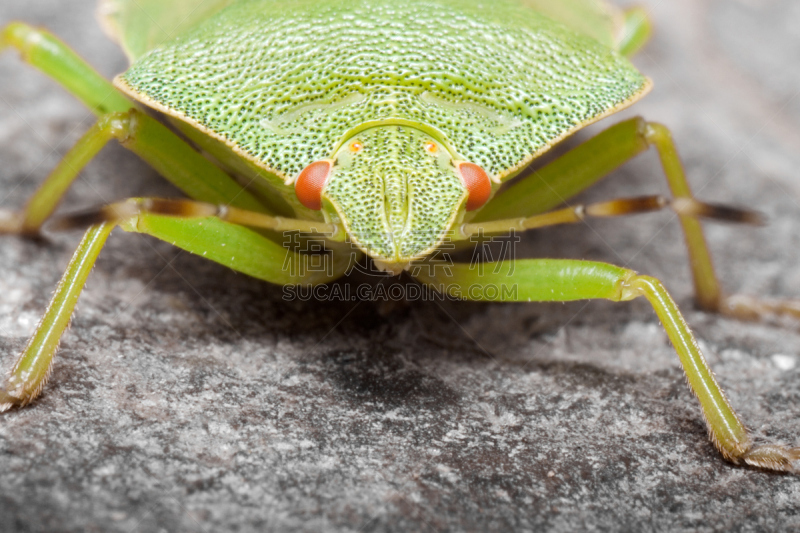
<point>586,164</point>
<point>547,280</point>
<point>31,370</point>
<point>232,245</point>
<point>249,251</point>
<point>223,234</point>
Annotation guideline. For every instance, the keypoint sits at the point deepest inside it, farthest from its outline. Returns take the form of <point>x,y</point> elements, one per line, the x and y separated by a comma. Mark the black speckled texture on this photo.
<point>189,398</point>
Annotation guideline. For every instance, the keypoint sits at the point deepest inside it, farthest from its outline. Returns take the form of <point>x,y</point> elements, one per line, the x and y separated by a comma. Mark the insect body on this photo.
<point>390,125</point>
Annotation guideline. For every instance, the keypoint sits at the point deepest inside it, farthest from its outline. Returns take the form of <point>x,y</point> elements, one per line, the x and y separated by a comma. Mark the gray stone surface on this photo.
<point>189,398</point>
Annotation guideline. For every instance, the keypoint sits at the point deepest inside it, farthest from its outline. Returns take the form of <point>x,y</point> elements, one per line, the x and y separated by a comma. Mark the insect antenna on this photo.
<point>188,209</point>
<point>681,206</point>
<point>616,208</point>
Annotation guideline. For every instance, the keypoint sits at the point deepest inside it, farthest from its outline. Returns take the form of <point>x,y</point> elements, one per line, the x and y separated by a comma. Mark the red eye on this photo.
<point>477,184</point>
<point>310,182</point>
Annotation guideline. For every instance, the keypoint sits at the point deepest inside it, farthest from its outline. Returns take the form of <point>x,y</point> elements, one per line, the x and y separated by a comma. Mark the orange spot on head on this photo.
<point>477,183</point>
<point>310,182</point>
<point>356,146</point>
<point>431,147</point>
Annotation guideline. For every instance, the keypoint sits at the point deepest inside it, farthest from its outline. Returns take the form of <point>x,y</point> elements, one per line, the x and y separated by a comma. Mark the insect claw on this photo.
<point>7,401</point>
<point>10,221</point>
<point>773,457</point>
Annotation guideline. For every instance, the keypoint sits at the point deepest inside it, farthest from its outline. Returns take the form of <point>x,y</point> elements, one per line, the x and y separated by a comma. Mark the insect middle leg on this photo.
<point>172,157</point>
<point>580,168</point>
<point>49,54</point>
<point>118,119</point>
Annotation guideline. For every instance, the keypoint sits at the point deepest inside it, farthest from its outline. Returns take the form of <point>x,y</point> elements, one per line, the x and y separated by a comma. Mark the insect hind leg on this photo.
<point>708,290</point>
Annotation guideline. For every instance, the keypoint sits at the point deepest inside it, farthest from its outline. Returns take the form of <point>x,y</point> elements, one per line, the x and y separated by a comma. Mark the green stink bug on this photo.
<point>337,127</point>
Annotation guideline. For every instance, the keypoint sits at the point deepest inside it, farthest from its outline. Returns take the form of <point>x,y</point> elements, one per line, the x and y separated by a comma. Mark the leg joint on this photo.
<point>120,125</point>
<point>626,287</point>
<point>21,36</point>
<point>654,133</point>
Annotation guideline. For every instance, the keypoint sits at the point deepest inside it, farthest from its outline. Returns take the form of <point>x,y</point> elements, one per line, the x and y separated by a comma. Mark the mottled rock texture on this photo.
<point>189,398</point>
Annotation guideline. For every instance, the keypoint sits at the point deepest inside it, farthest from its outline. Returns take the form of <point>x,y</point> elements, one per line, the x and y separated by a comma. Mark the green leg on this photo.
<point>44,51</point>
<point>152,141</point>
<point>564,280</point>
<point>237,247</point>
<point>45,200</point>
<point>585,165</point>
<point>636,31</point>
<point>247,251</point>
<point>29,374</point>
<point>181,164</point>
<point>50,55</point>
<point>575,171</point>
